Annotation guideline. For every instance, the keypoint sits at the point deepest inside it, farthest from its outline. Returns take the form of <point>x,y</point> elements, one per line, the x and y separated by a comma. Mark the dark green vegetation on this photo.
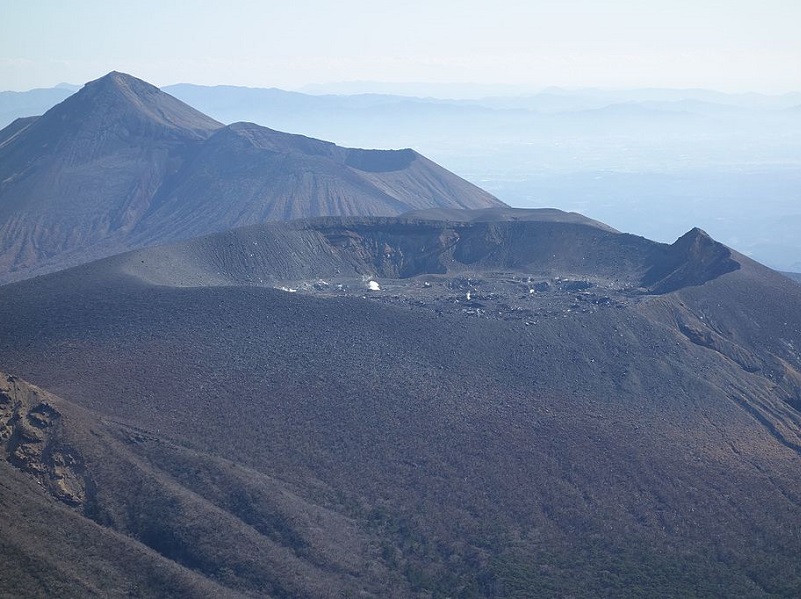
<point>121,165</point>
<point>532,405</point>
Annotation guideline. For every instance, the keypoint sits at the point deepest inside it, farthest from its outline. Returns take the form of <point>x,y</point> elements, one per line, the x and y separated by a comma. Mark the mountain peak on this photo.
<point>695,235</point>
<point>122,82</point>
<point>122,164</point>
<point>117,78</point>
<point>693,259</point>
<point>119,97</point>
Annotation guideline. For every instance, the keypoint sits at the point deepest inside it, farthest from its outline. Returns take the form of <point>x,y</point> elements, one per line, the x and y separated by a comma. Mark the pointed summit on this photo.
<point>693,259</point>
<point>89,167</point>
<point>132,106</point>
<point>695,237</point>
<point>111,115</point>
<point>121,164</point>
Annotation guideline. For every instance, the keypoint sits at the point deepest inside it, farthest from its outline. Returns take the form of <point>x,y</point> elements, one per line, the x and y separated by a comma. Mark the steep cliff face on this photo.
<point>31,431</point>
<point>536,242</point>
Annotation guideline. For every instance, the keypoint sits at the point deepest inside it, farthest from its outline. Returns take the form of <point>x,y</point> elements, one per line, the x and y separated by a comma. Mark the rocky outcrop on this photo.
<point>31,438</point>
<point>693,259</point>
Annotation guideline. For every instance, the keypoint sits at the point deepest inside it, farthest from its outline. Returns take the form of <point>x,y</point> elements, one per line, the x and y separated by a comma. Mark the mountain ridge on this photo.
<point>121,164</point>
<point>432,242</point>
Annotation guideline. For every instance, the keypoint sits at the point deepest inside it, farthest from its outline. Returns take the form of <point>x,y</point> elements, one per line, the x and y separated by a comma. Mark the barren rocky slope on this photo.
<point>121,164</point>
<point>499,405</point>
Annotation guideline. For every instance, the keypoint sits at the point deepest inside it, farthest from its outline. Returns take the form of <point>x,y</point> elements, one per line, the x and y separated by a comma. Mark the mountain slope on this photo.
<point>137,514</point>
<point>121,164</point>
<point>89,167</point>
<point>529,407</point>
<point>248,174</point>
<point>15,105</point>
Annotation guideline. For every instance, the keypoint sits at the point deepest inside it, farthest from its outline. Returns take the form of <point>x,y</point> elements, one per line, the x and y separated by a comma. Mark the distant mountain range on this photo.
<point>14,105</point>
<point>121,164</point>
<point>651,161</point>
<point>494,403</point>
<point>275,107</point>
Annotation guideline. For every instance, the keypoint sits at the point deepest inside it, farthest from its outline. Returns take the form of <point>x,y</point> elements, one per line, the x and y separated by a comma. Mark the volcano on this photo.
<point>121,164</point>
<point>491,403</point>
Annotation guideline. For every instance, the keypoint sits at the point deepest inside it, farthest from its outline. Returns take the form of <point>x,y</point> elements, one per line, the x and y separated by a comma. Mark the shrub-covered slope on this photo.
<point>499,424</point>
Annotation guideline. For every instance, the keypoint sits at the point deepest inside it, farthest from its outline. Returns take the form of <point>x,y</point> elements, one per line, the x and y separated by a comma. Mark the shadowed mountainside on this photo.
<point>121,164</point>
<point>117,486</point>
<point>540,241</point>
<point>474,407</point>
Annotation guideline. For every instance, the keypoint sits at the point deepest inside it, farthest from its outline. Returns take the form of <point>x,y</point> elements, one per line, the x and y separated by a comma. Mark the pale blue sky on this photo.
<point>730,45</point>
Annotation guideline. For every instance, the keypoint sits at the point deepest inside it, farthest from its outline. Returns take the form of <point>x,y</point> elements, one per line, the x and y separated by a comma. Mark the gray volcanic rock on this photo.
<point>121,164</point>
<point>247,174</point>
<point>87,170</point>
<point>693,259</point>
<point>506,213</point>
<point>502,239</point>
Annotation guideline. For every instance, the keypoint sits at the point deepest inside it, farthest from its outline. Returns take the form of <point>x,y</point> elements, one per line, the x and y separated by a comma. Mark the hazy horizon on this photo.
<point>656,171</point>
<point>456,90</point>
<point>612,44</point>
